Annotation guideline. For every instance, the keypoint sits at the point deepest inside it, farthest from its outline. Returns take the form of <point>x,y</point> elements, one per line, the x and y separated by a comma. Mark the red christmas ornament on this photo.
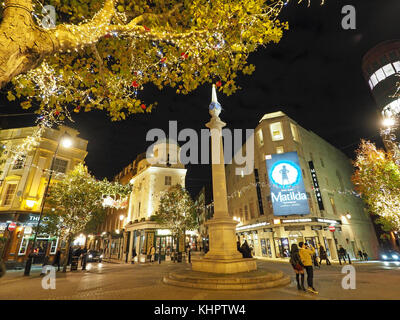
<point>184,55</point>
<point>78,107</point>
<point>163,59</point>
<point>143,106</point>
<point>56,113</point>
<point>218,84</point>
<point>146,29</point>
<point>107,36</point>
<point>135,84</point>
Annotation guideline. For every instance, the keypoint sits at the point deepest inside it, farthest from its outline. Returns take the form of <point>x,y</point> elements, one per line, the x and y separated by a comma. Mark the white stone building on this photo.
<point>249,197</point>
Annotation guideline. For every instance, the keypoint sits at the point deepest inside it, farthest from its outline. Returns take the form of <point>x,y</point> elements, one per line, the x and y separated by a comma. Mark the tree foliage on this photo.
<point>77,201</point>
<point>177,211</point>
<point>377,178</point>
<point>101,54</point>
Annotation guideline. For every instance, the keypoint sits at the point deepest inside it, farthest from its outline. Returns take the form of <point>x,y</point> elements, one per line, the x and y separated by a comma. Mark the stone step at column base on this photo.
<point>240,281</point>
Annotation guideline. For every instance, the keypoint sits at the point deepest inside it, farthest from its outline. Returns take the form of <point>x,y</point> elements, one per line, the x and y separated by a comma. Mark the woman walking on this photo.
<point>323,256</point>
<point>298,266</point>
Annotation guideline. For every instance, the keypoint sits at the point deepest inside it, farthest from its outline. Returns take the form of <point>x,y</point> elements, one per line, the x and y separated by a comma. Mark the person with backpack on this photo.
<point>297,266</point>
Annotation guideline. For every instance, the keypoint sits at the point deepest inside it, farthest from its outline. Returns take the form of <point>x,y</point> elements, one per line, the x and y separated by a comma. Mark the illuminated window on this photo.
<point>279,149</point>
<point>168,180</point>
<point>371,84</point>
<point>388,69</point>
<point>23,246</point>
<point>9,195</point>
<point>19,163</point>
<point>374,80</point>
<point>60,165</point>
<point>276,131</point>
<point>295,133</point>
<point>397,66</point>
<point>380,75</point>
<point>260,137</point>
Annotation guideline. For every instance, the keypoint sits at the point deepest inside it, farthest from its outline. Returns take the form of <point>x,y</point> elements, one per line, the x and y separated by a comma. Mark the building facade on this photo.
<point>328,196</point>
<point>23,182</point>
<point>137,229</point>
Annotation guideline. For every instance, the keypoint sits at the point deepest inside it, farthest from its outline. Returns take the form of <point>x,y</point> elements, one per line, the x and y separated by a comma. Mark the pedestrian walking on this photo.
<point>298,266</point>
<point>365,255</point>
<point>152,253</point>
<point>306,252</point>
<point>342,254</point>
<point>323,256</point>
<point>84,258</point>
<point>133,255</point>
<point>57,258</point>
<point>360,255</point>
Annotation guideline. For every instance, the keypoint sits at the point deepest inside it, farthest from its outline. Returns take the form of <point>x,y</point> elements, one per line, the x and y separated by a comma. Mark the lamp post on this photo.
<point>66,142</point>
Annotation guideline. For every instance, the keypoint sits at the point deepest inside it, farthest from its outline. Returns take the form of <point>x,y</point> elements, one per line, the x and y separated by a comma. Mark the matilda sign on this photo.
<point>288,194</point>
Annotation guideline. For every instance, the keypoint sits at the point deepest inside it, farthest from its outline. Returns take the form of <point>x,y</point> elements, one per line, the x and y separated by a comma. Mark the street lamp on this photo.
<point>388,122</point>
<point>65,141</point>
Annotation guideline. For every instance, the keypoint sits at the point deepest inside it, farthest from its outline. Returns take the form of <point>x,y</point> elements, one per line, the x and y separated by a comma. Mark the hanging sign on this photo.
<point>317,191</point>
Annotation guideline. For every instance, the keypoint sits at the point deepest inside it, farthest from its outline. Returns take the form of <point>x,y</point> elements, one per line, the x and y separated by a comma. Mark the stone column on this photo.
<point>222,256</point>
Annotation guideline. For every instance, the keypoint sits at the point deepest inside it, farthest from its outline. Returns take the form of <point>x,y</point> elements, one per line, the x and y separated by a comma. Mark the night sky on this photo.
<point>313,75</point>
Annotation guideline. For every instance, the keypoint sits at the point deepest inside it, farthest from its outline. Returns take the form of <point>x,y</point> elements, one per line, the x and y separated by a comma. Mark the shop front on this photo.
<point>273,239</point>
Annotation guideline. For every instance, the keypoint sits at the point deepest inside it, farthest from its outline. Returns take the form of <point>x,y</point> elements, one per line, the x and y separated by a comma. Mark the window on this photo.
<point>340,180</point>
<point>332,201</point>
<point>374,80</point>
<point>276,131</point>
<point>397,66</point>
<point>241,214</point>
<point>295,133</point>
<point>8,197</point>
<point>19,163</point>
<point>260,137</point>
<point>60,165</point>
<point>168,180</point>
<point>53,246</point>
<point>380,75</point>
<point>246,212</point>
<point>279,149</point>
<point>322,163</point>
<point>251,207</point>
<point>389,70</point>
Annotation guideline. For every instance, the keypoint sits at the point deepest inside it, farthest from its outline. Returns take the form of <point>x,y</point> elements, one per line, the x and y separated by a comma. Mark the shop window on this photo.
<point>295,133</point>
<point>168,180</point>
<point>60,165</point>
<point>9,195</point>
<point>19,163</point>
<point>279,149</point>
<point>276,131</point>
<point>260,137</point>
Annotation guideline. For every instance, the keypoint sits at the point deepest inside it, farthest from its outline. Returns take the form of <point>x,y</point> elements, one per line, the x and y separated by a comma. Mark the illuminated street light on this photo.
<point>348,216</point>
<point>66,142</point>
<point>388,122</point>
<point>121,217</point>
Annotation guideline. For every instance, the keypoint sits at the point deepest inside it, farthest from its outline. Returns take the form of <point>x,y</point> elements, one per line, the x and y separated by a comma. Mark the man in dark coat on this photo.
<point>56,261</point>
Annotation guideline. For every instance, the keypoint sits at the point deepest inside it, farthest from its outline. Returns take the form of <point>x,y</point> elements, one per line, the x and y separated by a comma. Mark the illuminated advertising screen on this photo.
<point>288,194</point>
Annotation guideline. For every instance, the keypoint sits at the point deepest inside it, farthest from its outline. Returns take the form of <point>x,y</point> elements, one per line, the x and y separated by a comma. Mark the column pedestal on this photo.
<point>223,256</point>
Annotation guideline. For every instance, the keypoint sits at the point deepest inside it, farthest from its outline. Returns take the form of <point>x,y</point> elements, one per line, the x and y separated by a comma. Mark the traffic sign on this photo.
<point>332,228</point>
<point>12,226</point>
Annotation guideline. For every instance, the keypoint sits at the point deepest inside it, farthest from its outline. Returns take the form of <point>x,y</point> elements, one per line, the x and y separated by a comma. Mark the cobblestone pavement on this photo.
<point>144,282</point>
